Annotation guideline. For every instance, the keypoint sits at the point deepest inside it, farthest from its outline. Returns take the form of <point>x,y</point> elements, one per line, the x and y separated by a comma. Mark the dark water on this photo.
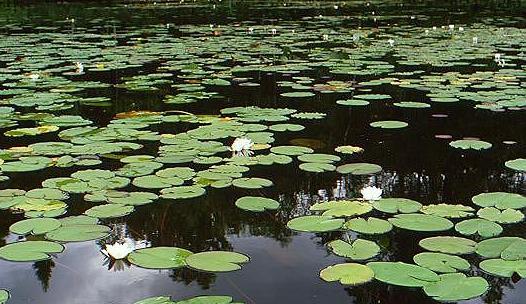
<point>284,265</point>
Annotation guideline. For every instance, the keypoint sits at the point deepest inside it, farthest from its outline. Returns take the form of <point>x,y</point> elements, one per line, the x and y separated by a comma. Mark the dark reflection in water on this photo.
<point>284,265</point>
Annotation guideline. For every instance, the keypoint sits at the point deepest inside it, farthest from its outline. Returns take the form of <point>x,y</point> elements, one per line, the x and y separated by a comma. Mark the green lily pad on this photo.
<point>359,169</point>
<point>456,287</point>
<point>500,200</point>
<point>482,227</point>
<point>256,204</point>
<point>109,211</point>
<point>317,167</point>
<point>504,268</point>
<point>35,226</point>
<point>397,205</point>
<point>371,225</point>
<point>358,250</point>
<point>319,158</point>
<point>4,296</point>
<point>159,257</point>
<point>183,192</point>
<point>315,223</point>
<point>347,274</point>
<point>421,222</point>
<point>156,300</point>
<point>71,232</point>
<point>506,216</point>
<point>30,251</point>
<point>291,150</point>
<point>216,261</point>
<point>441,262</point>
<point>518,164</point>
<point>207,300</point>
<point>506,248</point>
<point>448,244</point>
<point>473,144</point>
<point>252,182</point>
<point>403,274</point>
<point>389,124</point>
<point>448,210</point>
<point>412,104</point>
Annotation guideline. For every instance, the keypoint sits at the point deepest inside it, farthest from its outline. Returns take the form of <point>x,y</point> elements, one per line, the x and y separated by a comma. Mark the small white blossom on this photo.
<point>391,42</point>
<point>118,251</point>
<point>242,146</point>
<point>371,193</point>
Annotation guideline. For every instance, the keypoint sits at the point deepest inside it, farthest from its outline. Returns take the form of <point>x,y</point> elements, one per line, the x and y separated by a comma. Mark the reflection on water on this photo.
<point>284,265</point>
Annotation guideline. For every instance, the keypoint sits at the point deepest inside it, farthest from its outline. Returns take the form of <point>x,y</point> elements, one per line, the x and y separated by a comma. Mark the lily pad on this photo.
<point>501,200</point>
<point>456,287</point>
<point>448,210</point>
<point>78,232</point>
<point>347,274</point>
<point>216,261</point>
<point>518,164</point>
<point>109,211</point>
<point>403,274</point>
<point>35,226</point>
<point>441,262</point>
<point>30,251</point>
<point>359,169</point>
<point>315,223</point>
<point>182,192</point>
<point>252,183</point>
<point>506,216</point>
<point>159,257</point>
<point>504,268</point>
<point>256,204</point>
<point>421,222</point>
<point>397,205</point>
<point>389,124</point>
<point>448,244</point>
<point>358,250</point>
<point>371,225</point>
<point>317,167</point>
<point>506,248</point>
<point>482,227</point>
<point>466,144</point>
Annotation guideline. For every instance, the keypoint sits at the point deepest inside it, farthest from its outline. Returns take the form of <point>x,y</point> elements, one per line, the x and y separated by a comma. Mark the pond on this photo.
<point>262,152</point>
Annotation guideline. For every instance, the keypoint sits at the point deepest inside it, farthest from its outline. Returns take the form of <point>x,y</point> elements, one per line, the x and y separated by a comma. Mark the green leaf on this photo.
<point>109,211</point>
<point>78,233</point>
<point>456,287</point>
<point>518,164</point>
<point>448,210</point>
<point>389,124</point>
<point>159,257</point>
<point>359,169</point>
<point>397,205</point>
<point>421,222</point>
<point>156,300</point>
<point>256,204</point>
<point>252,183</point>
<point>4,296</point>
<point>482,227</point>
<point>182,192</point>
<point>319,158</point>
<point>500,200</point>
<point>448,244</point>
<point>371,225</point>
<point>317,167</point>
<point>291,150</point>
<point>506,248</point>
<point>473,144</point>
<point>441,262</point>
<point>507,216</point>
<point>503,268</point>
<point>356,250</point>
<point>216,261</point>
<point>207,300</point>
<point>402,274</point>
<point>347,274</point>
<point>315,223</point>
<point>35,226</point>
<point>29,251</point>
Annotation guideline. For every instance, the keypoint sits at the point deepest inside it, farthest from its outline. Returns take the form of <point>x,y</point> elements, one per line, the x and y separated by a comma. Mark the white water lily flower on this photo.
<point>80,67</point>
<point>242,146</point>
<point>391,42</point>
<point>475,40</point>
<point>34,76</point>
<point>118,251</point>
<point>371,193</point>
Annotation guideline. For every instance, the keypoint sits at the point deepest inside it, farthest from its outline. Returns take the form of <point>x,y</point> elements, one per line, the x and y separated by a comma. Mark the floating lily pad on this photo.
<point>216,261</point>
<point>182,192</point>
<point>482,227</point>
<point>317,167</point>
<point>256,204</point>
<point>473,144</point>
<point>421,222</point>
<point>403,274</point>
<point>440,262</point>
<point>506,216</point>
<point>252,183</point>
<point>412,104</point>
<point>501,200</point>
<point>4,296</point>
<point>348,149</point>
<point>456,287</point>
<point>389,124</point>
<point>448,244</point>
<point>506,248</point>
<point>319,158</point>
<point>518,164</point>
<point>35,226</point>
<point>291,150</point>
<point>359,169</point>
<point>448,210</point>
<point>30,251</point>
<point>109,211</point>
<point>159,257</point>
<point>504,268</point>
<point>371,225</point>
<point>315,223</point>
<point>347,274</point>
<point>72,232</point>
<point>397,205</point>
<point>356,250</point>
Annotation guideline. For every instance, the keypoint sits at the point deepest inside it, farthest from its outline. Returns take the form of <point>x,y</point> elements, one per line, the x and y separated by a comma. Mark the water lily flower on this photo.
<point>325,37</point>
<point>427,32</point>
<point>451,27</point>
<point>371,193</point>
<point>274,31</point>
<point>118,251</point>
<point>80,67</point>
<point>460,29</point>
<point>497,57</point>
<point>475,40</point>
<point>242,146</point>
<point>434,28</point>
<point>34,76</point>
<point>250,30</point>
<point>391,42</point>
<point>336,7</point>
